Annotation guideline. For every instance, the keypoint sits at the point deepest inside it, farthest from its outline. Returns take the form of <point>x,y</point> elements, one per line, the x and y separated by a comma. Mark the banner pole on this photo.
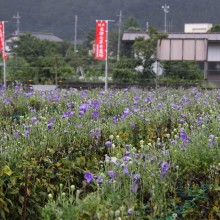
<point>106,59</point>
<point>3,54</point>
<point>4,63</point>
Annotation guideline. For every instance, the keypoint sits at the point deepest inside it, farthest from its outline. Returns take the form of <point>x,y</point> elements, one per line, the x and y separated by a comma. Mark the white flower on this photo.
<point>114,160</point>
<point>141,142</point>
<point>111,137</point>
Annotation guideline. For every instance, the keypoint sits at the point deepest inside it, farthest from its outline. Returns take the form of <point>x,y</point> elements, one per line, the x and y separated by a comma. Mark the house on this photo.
<point>203,48</point>
<point>128,39</point>
<point>197,28</point>
<point>199,47</point>
<point>9,41</point>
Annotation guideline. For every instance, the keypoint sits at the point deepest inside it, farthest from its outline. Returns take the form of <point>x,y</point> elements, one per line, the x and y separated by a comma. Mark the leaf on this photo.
<point>58,164</point>
<point>13,180</point>
<point>2,201</point>
<point>15,191</point>
<point>6,170</point>
<point>51,150</point>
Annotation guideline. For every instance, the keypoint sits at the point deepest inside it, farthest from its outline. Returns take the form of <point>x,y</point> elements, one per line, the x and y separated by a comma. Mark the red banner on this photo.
<point>100,40</point>
<point>2,40</point>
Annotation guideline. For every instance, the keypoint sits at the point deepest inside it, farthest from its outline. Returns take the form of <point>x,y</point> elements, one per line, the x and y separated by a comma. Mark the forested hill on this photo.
<point>58,16</point>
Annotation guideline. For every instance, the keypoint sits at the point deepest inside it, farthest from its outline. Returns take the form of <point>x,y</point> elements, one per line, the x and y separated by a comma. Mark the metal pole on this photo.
<point>75,38</point>
<point>106,60</point>
<point>119,36</point>
<point>3,52</point>
<point>17,23</point>
<point>166,10</point>
<point>165,21</point>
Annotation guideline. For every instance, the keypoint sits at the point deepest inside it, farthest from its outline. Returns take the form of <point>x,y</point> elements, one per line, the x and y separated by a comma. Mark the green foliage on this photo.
<point>54,142</point>
<point>131,25</point>
<point>215,28</point>
<point>18,69</point>
<point>186,70</point>
<point>124,71</point>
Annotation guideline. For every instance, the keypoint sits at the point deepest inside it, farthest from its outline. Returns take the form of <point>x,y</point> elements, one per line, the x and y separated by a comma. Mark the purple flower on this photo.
<point>99,180</point>
<point>115,120</point>
<point>98,133</point>
<point>126,171</point>
<point>127,158</point>
<point>95,104</point>
<point>130,211</point>
<point>51,120</point>
<point>111,174</point>
<point>173,142</point>
<point>136,178</point>
<point>83,107</point>
<point>200,121</point>
<point>134,188</point>
<point>127,147</point>
<point>49,126</point>
<point>164,168</point>
<point>108,144</point>
<point>81,113</point>
<point>92,133</point>
<point>181,121</point>
<point>16,135</point>
<point>126,111</point>
<point>211,140</point>
<point>183,136</point>
<point>147,99</point>
<point>107,158</point>
<point>88,177</point>
<point>95,115</point>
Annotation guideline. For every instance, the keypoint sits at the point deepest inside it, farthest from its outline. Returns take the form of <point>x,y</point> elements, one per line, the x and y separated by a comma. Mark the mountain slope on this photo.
<point>59,16</point>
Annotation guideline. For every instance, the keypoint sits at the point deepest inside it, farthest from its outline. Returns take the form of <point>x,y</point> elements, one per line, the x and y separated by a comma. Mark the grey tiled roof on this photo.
<point>132,36</point>
<point>208,36</point>
<point>47,36</point>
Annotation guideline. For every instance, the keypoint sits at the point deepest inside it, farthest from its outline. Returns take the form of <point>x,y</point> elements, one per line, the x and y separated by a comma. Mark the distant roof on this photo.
<point>47,36</point>
<point>208,36</point>
<point>41,36</point>
<point>131,36</point>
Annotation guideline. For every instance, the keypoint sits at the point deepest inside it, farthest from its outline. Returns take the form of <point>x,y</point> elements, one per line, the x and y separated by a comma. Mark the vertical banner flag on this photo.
<point>100,40</point>
<point>2,40</point>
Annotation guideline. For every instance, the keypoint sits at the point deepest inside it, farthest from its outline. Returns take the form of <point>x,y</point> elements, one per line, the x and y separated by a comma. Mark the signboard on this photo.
<point>100,40</point>
<point>2,40</point>
<point>157,68</point>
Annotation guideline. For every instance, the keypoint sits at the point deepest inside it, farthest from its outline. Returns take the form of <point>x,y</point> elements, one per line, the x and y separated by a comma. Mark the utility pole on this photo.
<point>166,10</point>
<point>75,38</point>
<point>147,26</point>
<point>17,17</point>
<point>119,35</point>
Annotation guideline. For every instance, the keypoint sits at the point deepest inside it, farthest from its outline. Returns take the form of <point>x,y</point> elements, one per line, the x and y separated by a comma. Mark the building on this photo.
<point>9,41</point>
<point>128,39</point>
<point>203,48</point>
<point>197,28</point>
<point>199,47</point>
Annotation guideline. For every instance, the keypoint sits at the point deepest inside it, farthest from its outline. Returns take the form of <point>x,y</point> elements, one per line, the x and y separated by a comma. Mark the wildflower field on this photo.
<point>116,154</point>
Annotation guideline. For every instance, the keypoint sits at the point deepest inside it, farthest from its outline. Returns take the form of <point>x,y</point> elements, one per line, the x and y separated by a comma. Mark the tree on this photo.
<point>215,28</point>
<point>45,58</point>
<point>131,25</point>
<point>145,50</point>
<point>18,69</point>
